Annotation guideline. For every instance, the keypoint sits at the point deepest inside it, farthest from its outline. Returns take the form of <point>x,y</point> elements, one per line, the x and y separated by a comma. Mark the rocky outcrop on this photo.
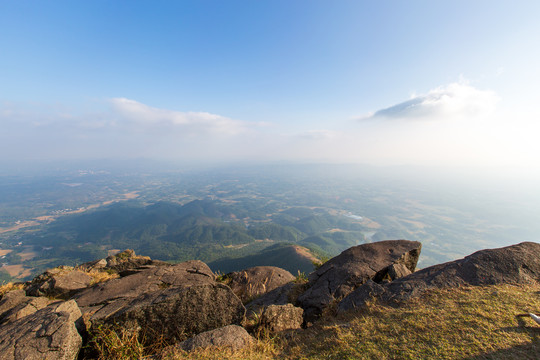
<point>341,275</point>
<point>49,333</point>
<point>59,282</point>
<point>146,281</point>
<point>278,318</point>
<point>518,264</point>
<point>175,313</point>
<point>256,281</point>
<point>124,263</point>
<point>171,302</point>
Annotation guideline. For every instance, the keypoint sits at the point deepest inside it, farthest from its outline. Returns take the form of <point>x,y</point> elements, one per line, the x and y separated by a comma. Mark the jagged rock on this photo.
<point>517,264</point>
<point>58,282</point>
<point>49,333</point>
<point>277,318</point>
<point>342,274</point>
<point>124,263</point>
<point>253,282</point>
<point>233,336</point>
<point>16,305</point>
<point>173,302</point>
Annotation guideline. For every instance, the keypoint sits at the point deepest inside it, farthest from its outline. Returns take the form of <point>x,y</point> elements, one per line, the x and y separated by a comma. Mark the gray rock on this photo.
<point>59,282</point>
<point>342,274</point>
<point>359,297</point>
<point>277,318</point>
<point>124,263</point>
<point>49,333</point>
<point>16,305</point>
<point>278,296</point>
<point>175,313</point>
<point>232,336</point>
<point>172,301</point>
<point>517,264</point>
<point>256,281</point>
<point>10,300</point>
<point>146,281</point>
<point>396,271</point>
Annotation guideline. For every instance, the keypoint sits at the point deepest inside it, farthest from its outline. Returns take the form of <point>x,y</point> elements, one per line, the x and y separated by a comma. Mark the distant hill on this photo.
<point>208,230</point>
<point>292,258</point>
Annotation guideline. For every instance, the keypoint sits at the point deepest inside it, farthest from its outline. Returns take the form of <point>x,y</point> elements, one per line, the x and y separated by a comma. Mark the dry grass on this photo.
<point>465,323</point>
<point>101,276</point>
<point>4,288</point>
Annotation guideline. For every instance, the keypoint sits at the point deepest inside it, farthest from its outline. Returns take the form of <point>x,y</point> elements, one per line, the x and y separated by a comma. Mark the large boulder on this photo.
<point>516,264</point>
<point>146,281</point>
<point>49,333</point>
<point>171,302</point>
<point>173,314</point>
<point>342,274</point>
<point>256,281</point>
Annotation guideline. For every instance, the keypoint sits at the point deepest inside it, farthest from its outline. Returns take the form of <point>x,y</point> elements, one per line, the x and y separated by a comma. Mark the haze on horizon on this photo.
<point>381,83</point>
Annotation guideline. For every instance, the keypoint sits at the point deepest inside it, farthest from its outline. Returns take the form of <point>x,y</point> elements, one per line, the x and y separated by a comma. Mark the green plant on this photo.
<point>301,278</point>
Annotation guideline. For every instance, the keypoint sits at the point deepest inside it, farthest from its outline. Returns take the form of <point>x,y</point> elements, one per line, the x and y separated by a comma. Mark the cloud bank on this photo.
<point>455,124</point>
<point>456,100</point>
<point>189,123</point>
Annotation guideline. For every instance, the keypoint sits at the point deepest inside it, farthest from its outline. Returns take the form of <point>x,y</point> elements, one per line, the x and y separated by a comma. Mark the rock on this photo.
<point>517,264</point>
<point>149,280</point>
<point>60,282</point>
<point>172,314</point>
<point>16,305</point>
<point>10,300</point>
<point>277,318</point>
<point>342,274</point>
<point>124,263</point>
<point>278,296</point>
<point>253,282</point>
<point>173,302</point>
<point>232,336</point>
<point>49,333</point>
<point>366,292</point>
<point>396,271</point>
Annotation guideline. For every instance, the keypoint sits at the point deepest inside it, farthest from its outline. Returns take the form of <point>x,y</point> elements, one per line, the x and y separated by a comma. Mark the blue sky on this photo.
<point>380,82</point>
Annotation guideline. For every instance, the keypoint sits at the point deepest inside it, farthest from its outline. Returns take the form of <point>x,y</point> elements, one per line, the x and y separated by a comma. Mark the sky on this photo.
<point>424,83</point>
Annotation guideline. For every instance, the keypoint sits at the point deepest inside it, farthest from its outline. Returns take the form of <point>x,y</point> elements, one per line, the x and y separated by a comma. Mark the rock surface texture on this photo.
<point>277,318</point>
<point>170,301</point>
<point>341,275</point>
<point>49,333</point>
<point>59,282</point>
<point>231,336</point>
<point>513,264</point>
<point>253,282</point>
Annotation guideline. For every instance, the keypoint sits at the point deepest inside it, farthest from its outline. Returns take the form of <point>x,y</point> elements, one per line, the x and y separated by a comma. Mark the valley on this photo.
<point>234,217</point>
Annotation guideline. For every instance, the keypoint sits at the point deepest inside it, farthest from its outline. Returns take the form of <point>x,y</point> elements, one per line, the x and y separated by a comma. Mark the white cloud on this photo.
<point>186,122</point>
<point>456,100</point>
